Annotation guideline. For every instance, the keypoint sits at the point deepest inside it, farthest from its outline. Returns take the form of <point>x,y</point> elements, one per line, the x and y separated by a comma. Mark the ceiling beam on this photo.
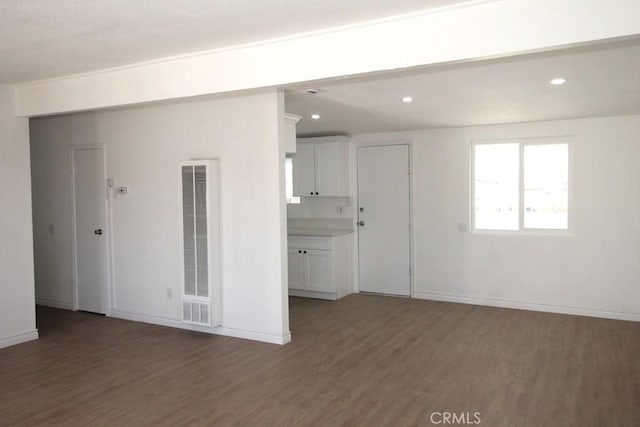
<point>474,31</point>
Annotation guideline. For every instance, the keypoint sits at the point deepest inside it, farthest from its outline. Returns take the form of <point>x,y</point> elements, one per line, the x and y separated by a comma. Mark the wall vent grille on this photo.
<point>196,312</point>
<point>200,242</point>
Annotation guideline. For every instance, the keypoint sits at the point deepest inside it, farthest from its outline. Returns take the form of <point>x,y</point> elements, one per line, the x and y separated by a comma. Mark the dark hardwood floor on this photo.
<point>363,360</point>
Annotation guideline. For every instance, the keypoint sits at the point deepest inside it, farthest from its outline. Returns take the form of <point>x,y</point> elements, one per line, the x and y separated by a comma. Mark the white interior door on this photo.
<point>304,166</point>
<point>90,233</point>
<point>384,223</point>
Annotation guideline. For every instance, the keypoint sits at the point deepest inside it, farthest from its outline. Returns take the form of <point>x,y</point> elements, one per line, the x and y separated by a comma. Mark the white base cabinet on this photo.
<point>319,266</point>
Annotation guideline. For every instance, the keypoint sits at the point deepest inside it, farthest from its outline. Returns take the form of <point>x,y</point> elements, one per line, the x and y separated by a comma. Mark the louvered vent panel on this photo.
<point>200,195</point>
<point>204,314</point>
<point>186,311</point>
<point>196,312</point>
<point>188,230</point>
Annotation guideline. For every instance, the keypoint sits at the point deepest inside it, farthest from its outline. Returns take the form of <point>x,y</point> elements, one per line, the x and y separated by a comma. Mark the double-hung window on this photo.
<point>521,185</point>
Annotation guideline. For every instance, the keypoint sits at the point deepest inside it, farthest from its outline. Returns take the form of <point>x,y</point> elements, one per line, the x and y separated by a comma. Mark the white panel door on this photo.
<point>90,233</point>
<point>319,270</point>
<point>384,220</point>
<point>297,269</point>
<point>304,170</point>
<point>327,173</point>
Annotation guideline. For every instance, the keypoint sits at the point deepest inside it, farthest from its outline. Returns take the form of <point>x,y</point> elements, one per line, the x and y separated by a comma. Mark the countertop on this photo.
<point>327,227</point>
<point>329,232</point>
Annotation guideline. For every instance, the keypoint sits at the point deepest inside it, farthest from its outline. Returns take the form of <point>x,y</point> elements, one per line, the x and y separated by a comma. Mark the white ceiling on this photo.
<point>42,39</point>
<point>601,81</point>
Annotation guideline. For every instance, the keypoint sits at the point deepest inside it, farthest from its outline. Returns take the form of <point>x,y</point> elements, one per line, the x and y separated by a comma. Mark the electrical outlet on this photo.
<point>340,210</point>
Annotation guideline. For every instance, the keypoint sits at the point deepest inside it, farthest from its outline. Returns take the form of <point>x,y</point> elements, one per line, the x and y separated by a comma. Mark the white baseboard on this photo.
<point>19,339</point>
<point>520,305</point>
<point>220,330</point>
<point>313,294</point>
<point>54,303</point>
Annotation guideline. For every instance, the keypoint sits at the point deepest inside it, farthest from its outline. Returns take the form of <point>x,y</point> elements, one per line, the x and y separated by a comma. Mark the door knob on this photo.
<point>98,231</point>
<point>361,223</point>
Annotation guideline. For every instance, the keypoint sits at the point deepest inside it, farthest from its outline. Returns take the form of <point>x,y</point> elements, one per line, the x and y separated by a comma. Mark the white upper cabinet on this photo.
<point>321,167</point>
<point>331,169</point>
<point>304,169</point>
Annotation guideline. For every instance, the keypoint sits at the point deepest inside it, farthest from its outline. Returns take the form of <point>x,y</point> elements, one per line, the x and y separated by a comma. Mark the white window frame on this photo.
<point>522,143</point>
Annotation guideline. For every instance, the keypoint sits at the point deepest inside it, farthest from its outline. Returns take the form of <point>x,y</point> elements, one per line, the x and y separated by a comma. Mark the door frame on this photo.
<point>108,247</point>
<point>371,142</point>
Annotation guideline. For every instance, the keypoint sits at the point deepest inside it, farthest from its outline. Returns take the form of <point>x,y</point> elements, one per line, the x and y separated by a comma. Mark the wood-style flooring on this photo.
<point>364,360</point>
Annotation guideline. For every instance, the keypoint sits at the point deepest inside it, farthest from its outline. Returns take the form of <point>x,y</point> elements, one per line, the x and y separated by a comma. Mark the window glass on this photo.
<point>546,186</point>
<point>497,177</point>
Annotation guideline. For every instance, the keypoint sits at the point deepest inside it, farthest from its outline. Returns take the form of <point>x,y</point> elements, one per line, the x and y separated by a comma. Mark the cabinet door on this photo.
<point>331,169</point>
<point>304,170</point>
<point>297,269</point>
<point>320,272</point>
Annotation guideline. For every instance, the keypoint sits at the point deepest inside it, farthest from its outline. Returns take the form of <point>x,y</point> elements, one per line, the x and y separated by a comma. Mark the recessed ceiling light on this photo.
<point>315,116</point>
<point>558,81</point>
<point>407,99</point>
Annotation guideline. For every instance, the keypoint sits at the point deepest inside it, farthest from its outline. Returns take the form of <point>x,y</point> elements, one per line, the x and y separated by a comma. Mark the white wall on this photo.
<point>471,31</point>
<point>595,272</point>
<point>17,305</point>
<point>321,207</point>
<point>143,147</point>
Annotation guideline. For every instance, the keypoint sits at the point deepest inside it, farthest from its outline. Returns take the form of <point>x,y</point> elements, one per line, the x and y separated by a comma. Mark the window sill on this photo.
<point>525,233</point>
